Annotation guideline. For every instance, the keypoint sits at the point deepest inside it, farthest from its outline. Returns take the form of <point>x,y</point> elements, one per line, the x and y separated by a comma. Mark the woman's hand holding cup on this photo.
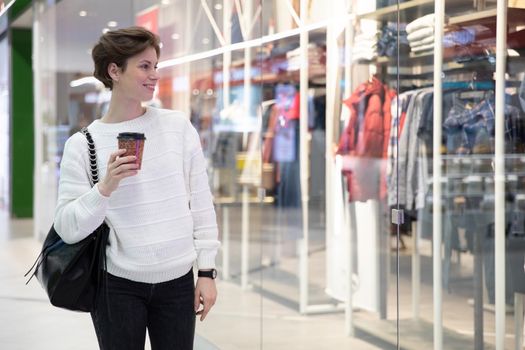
<point>118,169</point>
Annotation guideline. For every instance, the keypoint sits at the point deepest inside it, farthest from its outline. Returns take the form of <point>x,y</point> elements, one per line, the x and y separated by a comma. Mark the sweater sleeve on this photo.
<point>80,207</point>
<point>205,231</point>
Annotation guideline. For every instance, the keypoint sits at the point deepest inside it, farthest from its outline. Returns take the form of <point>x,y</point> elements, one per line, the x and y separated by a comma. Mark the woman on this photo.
<point>162,217</point>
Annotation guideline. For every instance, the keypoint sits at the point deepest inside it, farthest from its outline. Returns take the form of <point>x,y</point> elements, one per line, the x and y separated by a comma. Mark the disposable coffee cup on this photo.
<point>133,143</point>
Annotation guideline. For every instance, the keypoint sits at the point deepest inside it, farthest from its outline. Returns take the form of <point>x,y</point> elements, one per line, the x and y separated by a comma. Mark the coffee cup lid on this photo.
<point>131,135</point>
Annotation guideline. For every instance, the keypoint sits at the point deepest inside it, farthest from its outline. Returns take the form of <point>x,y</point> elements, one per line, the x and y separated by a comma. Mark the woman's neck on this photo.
<point>121,111</point>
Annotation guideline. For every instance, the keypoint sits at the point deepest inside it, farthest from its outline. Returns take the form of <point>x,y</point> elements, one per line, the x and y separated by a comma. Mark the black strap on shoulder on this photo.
<point>92,155</point>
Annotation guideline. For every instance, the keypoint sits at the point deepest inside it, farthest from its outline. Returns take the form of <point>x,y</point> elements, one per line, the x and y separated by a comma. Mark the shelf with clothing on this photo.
<point>470,52</point>
<point>469,39</point>
<point>415,8</point>
<point>515,15</point>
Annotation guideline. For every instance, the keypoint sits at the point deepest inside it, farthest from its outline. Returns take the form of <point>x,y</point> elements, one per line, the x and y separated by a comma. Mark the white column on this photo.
<point>439,10</point>
<point>227,56</point>
<point>37,163</point>
<point>349,312</point>
<point>499,180</point>
<point>245,237</point>
<point>304,160</point>
<point>226,63</point>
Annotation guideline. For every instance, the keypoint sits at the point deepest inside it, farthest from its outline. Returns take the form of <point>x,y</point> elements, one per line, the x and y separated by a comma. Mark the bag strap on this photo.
<point>94,178</point>
<point>92,155</point>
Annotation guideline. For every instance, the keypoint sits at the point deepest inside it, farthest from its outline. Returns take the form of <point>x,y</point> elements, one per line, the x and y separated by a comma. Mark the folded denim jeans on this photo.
<point>473,128</point>
<point>459,37</point>
<point>387,43</point>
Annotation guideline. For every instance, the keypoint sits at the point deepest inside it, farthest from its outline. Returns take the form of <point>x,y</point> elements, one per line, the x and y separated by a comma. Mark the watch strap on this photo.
<point>207,273</point>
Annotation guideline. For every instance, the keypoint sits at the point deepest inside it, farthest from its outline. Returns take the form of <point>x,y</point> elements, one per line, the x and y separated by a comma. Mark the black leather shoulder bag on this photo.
<point>71,274</point>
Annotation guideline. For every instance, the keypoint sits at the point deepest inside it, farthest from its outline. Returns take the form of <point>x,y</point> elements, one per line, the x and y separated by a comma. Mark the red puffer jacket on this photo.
<point>365,140</point>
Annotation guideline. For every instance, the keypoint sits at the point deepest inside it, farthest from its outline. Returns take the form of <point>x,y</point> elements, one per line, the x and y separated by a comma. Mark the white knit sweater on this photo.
<point>161,219</point>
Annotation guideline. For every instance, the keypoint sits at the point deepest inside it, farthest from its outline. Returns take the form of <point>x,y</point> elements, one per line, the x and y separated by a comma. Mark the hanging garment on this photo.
<point>365,140</point>
<point>286,112</point>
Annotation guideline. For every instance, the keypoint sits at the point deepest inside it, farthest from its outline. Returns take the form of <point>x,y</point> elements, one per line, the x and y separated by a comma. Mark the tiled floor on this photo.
<point>27,321</point>
<point>263,317</point>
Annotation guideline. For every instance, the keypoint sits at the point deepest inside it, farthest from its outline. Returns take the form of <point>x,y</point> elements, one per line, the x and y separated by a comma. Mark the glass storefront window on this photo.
<point>310,145</point>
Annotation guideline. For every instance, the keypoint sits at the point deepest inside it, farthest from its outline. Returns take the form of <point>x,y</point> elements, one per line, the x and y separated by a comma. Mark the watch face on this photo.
<point>214,273</point>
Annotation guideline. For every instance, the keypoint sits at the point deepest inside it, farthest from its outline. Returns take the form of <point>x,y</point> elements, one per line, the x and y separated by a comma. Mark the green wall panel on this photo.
<point>22,136</point>
<point>18,7</point>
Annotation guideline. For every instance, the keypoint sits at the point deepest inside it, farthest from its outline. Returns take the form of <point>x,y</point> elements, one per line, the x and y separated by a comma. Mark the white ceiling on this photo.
<point>73,36</point>
<point>78,34</point>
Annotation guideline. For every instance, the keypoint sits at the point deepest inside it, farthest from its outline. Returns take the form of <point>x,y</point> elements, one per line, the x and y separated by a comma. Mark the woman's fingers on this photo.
<point>116,154</point>
<point>119,167</point>
<point>124,168</point>
<point>116,162</point>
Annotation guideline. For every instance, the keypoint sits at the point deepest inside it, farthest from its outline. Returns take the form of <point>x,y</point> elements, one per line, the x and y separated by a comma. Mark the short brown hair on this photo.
<point>116,46</point>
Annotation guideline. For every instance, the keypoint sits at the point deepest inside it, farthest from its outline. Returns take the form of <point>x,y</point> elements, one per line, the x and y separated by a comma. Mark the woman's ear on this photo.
<point>114,71</point>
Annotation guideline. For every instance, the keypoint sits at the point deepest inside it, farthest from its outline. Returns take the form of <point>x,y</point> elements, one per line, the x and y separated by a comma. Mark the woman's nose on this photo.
<point>155,75</point>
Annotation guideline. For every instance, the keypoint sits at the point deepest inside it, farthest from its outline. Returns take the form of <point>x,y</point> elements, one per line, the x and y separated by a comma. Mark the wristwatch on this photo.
<point>212,273</point>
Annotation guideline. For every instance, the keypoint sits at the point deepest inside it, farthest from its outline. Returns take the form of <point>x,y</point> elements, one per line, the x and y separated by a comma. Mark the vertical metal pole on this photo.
<point>499,181</point>
<point>226,59</point>
<point>37,163</point>
<point>331,56</point>
<point>245,238</point>
<point>349,307</point>
<point>245,246</point>
<point>349,222</point>
<point>227,56</point>
<point>303,157</point>
<point>225,242</point>
<point>439,10</point>
<point>518,321</point>
<point>416,270</point>
<point>478,291</point>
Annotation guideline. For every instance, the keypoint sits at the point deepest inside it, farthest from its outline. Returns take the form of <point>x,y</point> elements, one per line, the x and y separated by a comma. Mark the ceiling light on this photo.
<point>105,30</point>
<point>112,24</point>
<point>218,7</point>
<point>205,41</point>
<point>165,2</point>
<point>84,81</point>
<point>82,13</point>
<point>175,36</point>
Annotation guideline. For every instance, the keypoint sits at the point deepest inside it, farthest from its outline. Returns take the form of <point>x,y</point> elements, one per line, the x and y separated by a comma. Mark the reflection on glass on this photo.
<point>371,78</point>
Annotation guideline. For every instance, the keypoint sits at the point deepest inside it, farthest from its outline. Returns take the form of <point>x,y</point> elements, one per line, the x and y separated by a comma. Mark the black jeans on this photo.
<point>165,309</point>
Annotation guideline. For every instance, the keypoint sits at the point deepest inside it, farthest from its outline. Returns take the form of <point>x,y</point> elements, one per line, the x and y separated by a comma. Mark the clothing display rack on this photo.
<point>446,76</point>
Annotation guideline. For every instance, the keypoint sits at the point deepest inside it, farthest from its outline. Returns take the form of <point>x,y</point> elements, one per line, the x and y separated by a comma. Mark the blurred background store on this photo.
<point>366,159</point>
